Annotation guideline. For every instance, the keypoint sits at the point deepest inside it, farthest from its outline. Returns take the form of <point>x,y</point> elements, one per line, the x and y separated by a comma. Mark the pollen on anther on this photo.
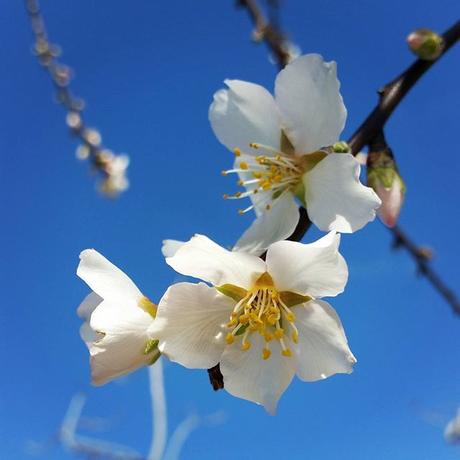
<point>230,338</point>
<point>266,353</point>
<point>223,173</point>
<point>279,333</point>
<point>237,151</point>
<point>245,346</point>
<point>244,165</point>
<point>286,352</point>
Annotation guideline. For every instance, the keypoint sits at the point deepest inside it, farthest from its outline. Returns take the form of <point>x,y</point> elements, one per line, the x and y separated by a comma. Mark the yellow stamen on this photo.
<point>245,346</point>
<point>230,338</point>
<point>244,165</point>
<point>266,353</point>
<point>286,352</point>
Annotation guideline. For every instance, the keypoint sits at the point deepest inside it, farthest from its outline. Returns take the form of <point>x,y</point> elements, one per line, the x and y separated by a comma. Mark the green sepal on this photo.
<point>291,298</point>
<point>299,192</point>
<point>286,145</point>
<point>232,291</point>
<point>340,147</point>
<point>311,160</point>
<point>150,346</point>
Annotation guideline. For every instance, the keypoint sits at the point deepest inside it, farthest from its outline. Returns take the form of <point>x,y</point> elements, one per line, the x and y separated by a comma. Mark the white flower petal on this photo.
<point>125,329</point>
<point>170,247</point>
<point>273,225</point>
<point>308,97</point>
<point>104,278</point>
<point>202,258</point>
<point>88,335</point>
<point>189,324</point>
<point>86,308</point>
<point>336,199</point>
<point>316,269</point>
<point>322,349</point>
<point>248,376</point>
<point>245,113</point>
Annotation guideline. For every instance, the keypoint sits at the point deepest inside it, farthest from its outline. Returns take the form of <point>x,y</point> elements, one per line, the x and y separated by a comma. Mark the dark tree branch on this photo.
<point>393,93</point>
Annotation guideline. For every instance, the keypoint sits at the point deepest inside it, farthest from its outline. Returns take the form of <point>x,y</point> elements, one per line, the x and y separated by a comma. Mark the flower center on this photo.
<point>270,174</point>
<point>263,310</point>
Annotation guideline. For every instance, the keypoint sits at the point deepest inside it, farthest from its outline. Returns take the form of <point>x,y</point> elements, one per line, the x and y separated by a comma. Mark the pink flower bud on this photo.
<point>392,200</point>
<point>426,44</point>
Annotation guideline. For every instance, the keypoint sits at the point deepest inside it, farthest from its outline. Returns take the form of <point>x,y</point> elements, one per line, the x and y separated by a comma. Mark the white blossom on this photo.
<point>118,320</point>
<point>283,152</point>
<point>262,320</point>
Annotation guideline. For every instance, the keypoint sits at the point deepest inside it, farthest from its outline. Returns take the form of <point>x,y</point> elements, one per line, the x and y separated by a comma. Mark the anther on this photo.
<point>286,352</point>
<point>279,333</point>
<point>230,338</point>
<point>237,151</point>
<point>245,346</point>
<point>266,353</point>
<point>244,165</point>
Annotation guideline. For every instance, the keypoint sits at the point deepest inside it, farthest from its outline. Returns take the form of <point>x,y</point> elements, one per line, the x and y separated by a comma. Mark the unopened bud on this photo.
<point>341,147</point>
<point>384,178</point>
<point>426,44</point>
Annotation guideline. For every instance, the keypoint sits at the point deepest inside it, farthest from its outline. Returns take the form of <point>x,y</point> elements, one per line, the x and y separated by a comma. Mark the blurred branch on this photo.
<point>112,167</point>
<point>159,413</point>
<point>268,32</point>
<point>422,257</point>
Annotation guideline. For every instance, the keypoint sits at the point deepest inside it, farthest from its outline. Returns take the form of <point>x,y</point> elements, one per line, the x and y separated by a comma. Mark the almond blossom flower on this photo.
<point>118,320</point>
<point>262,320</point>
<point>283,151</point>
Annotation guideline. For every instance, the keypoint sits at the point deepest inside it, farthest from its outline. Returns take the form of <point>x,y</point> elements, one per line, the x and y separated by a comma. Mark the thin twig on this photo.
<point>267,32</point>
<point>159,413</point>
<point>112,167</point>
<point>422,258</point>
<point>393,93</point>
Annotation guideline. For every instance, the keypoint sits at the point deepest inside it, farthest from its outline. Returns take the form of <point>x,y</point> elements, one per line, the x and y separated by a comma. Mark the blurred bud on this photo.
<point>61,74</point>
<point>258,35</point>
<point>73,120</point>
<point>92,136</point>
<point>340,147</point>
<point>82,152</point>
<point>384,178</point>
<point>425,44</point>
<point>452,431</point>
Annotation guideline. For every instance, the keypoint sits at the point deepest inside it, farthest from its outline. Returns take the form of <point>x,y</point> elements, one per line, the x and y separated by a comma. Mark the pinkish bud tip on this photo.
<point>392,201</point>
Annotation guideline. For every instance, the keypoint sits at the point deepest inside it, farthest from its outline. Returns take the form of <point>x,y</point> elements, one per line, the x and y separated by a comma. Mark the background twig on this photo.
<point>112,167</point>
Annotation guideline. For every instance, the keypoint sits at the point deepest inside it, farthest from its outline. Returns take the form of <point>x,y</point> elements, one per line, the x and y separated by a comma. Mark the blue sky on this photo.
<point>148,71</point>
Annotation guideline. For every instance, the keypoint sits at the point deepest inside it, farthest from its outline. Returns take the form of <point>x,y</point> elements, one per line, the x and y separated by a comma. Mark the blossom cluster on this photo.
<point>262,319</point>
